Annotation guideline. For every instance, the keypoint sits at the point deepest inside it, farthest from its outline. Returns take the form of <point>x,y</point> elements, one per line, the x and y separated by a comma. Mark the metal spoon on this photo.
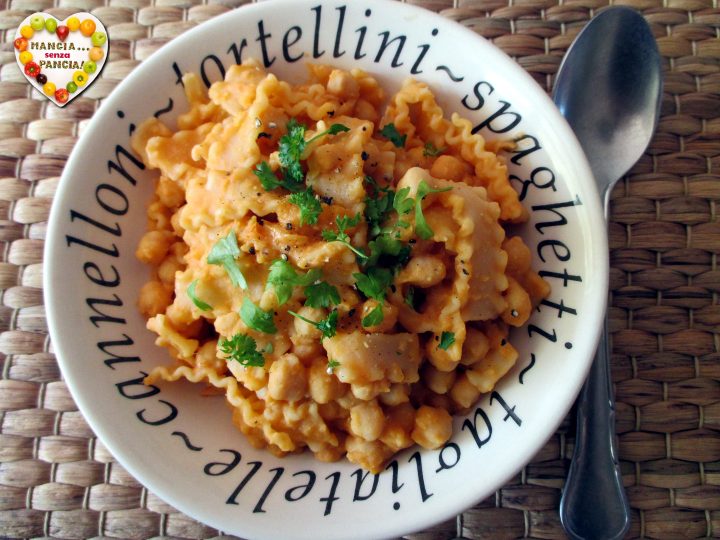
<point>609,89</point>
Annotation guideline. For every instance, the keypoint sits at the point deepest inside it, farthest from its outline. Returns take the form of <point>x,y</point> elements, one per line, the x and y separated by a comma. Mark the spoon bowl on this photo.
<point>609,88</point>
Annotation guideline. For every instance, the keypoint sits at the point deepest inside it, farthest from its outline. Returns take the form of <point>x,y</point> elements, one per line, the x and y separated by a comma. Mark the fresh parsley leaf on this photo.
<point>374,282</point>
<point>337,128</point>
<point>270,181</point>
<point>402,203</point>
<point>242,348</point>
<point>386,240</point>
<point>446,340</point>
<point>343,223</point>
<point>328,325</point>
<point>331,365</point>
<point>431,151</point>
<point>202,306</point>
<point>256,318</point>
<point>346,222</point>
<point>290,149</point>
<point>310,208</point>
<point>266,176</point>
<point>321,295</point>
<point>389,248</point>
<point>377,209</point>
<point>375,316</point>
<point>422,228</point>
<point>224,253</point>
<point>283,278</point>
<point>332,130</point>
<point>391,133</point>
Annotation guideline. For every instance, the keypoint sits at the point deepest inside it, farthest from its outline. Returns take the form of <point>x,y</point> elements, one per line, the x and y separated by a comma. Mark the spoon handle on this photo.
<point>594,505</point>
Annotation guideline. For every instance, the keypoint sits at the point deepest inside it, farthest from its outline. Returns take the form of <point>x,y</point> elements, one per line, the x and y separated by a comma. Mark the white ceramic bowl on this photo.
<point>182,446</point>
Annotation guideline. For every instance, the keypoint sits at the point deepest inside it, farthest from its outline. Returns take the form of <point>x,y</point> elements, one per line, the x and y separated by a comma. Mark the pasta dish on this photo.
<point>333,262</point>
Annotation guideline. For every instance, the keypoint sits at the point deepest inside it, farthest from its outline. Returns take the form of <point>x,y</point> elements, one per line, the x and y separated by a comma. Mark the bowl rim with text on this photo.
<point>182,446</point>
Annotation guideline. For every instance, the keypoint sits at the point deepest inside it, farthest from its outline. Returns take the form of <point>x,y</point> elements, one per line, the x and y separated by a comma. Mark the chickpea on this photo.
<point>518,304</point>
<point>423,271</point>
<point>389,315</point>
<point>464,393</point>
<point>154,298</point>
<point>306,348</point>
<point>168,268</point>
<point>287,380</point>
<point>170,193</point>
<point>433,427</point>
<point>367,420</point>
<point>370,455</point>
<point>397,394</point>
<point>306,329</point>
<point>399,424</point>
<point>154,246</point>
<point>438,381</point>
<point>475,348</point>
<point>449,168</point>
<point>324,387</point>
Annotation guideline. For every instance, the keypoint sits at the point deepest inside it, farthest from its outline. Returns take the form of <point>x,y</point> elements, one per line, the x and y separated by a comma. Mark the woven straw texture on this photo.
<point>57,480</point>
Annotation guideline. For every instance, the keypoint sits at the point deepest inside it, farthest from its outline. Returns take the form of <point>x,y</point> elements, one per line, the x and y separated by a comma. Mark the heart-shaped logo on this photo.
<point>61,58</point>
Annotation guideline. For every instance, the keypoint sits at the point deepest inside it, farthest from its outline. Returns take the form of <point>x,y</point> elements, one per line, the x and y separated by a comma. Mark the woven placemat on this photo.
<point>57,480</point>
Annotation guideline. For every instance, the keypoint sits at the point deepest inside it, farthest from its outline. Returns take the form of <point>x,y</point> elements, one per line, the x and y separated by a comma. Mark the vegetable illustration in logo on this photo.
<point>61,58</point>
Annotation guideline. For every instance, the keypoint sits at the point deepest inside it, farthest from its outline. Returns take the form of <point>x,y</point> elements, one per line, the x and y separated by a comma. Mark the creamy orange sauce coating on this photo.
<point>397,363</point>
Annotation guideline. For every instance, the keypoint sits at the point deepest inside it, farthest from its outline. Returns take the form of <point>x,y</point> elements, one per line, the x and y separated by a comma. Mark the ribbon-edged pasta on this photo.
<point>341,272</point>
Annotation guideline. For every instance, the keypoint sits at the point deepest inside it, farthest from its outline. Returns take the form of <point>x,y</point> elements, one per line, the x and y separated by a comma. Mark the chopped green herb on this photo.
<point>321,295</point>
<point>270,181</point>
<point>377,209</point>
<point>402,203</point>
<point>332,130</point>
<point>388,249</point>
<point>331,365</point>
<point>224,253</point>
<point>422,228</point>
<point>256,318</point>
<point>202,306</point>
<point>290,149</point>
<point>391,133</point>
<point>309,206</point>
<point>375,316</point>
<point>386,241</point>
<point>328,325</point>
<point>430,150</point>
<point>374,282</point>
<point>343,223</point>
<point>243,349</point>
<point>283,278</point>
<point>266,176</point>
<point>446,340</point>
